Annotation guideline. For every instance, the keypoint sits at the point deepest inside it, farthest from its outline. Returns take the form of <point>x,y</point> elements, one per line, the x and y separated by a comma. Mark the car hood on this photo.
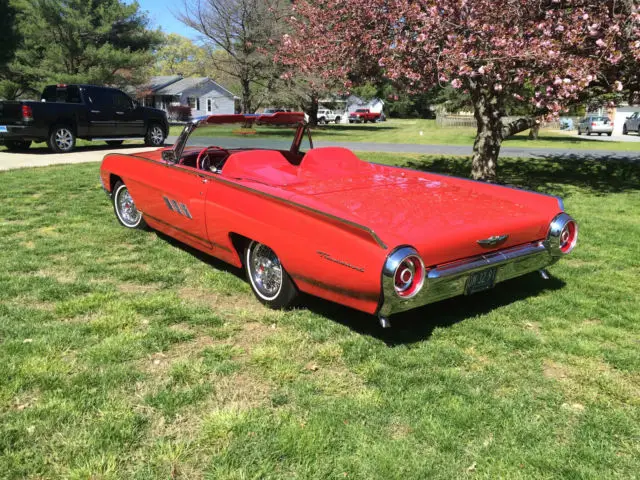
<point>441,216</point>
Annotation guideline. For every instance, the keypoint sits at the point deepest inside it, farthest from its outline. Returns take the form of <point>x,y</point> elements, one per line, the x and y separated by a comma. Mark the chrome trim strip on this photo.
<point>217,178</point>
<point>449,280</point>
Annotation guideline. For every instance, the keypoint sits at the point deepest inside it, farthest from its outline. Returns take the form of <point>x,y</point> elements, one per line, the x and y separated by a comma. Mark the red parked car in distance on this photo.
<point>363,115</point>
<point>376,238</point>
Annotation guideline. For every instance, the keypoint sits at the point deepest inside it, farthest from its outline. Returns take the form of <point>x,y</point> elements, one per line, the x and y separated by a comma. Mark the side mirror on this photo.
<point>169,156</point>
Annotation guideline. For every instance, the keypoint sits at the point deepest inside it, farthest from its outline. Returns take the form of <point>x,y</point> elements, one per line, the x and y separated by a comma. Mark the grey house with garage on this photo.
<point>201,94</point>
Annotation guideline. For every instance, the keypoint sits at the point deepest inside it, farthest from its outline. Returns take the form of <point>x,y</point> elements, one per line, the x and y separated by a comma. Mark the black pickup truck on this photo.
<point>68,112</point>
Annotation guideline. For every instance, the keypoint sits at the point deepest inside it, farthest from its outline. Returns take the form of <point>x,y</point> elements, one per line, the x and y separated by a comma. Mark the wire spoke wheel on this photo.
<point>266,271</point>
<point>126,209</point>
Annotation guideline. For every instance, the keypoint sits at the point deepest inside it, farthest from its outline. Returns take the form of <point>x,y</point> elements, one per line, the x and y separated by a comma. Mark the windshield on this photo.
<point>237,136</point>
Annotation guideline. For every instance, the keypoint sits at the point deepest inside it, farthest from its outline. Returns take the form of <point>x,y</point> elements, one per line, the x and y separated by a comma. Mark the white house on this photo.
<point>203,95</point>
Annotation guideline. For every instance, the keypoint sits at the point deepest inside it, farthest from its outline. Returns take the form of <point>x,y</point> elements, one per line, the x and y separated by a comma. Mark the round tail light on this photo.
<point>409,276</point>
<point>563,235</point>
<point>568,237</point>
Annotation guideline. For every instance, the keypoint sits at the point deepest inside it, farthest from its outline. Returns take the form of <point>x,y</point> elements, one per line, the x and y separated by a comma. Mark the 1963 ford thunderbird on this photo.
<point>376,238</point>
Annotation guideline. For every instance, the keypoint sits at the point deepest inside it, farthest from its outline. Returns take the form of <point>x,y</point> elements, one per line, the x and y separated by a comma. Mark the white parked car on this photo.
<point>328,116</point>
<point>595,124</point>
<point>632,124</point>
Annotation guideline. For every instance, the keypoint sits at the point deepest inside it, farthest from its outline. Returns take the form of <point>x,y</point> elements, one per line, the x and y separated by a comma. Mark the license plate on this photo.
<point>482,280</point>
<point>3,129</point>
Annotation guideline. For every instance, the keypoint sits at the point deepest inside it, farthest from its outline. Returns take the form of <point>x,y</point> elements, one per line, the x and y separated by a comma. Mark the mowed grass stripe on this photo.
<point>127,355</point>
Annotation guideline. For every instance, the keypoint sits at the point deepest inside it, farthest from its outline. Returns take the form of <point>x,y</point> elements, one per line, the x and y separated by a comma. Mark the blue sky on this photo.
<point>160,13</point>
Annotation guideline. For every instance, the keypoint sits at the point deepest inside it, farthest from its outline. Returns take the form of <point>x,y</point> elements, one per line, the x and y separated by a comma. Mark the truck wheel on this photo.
<point>269,280</point>
<point>337,120</point>
<point>17,145</point>
<point>61,139</point>
<point>115,143</point>
<point>125,209</point>
<point>155,136</point>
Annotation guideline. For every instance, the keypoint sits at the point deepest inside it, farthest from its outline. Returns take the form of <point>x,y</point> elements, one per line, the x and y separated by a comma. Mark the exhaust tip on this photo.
<point>384,322</point>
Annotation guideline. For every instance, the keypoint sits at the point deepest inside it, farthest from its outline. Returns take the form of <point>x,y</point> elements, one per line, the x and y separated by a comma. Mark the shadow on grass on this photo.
<point>418,324</point>
<point>551,174</point>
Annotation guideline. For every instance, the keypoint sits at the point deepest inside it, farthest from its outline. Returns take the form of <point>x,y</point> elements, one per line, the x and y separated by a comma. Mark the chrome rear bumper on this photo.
<point>450,280</point>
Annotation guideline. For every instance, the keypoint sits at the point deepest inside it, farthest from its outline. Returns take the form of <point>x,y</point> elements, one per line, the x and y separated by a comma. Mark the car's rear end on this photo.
<point>17,123</point>
<point>445,236</point>
<point>600,125</point>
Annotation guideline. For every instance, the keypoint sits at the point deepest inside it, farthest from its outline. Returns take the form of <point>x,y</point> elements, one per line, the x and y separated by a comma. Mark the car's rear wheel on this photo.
<point>115,143</point>
<point>579,131</point>
<point>269,280</point>
<point>17,145</point>
<point>155,136</point>
<point>62,139</point>
<point>610,133</point>
<point>125,208</point>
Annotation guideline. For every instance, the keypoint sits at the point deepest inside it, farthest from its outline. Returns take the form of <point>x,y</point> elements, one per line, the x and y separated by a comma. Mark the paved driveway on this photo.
<point>40,157</point>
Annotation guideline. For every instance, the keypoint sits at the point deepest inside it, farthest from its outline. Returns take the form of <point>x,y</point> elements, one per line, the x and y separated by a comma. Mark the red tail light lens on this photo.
<point>593,124</point>
<point>409,276</point>
<point>27,113</point>
<point>568,237</point>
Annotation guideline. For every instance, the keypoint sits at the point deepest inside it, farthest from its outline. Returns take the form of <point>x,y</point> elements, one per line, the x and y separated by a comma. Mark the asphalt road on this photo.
<point>521,152</point>
<point>37,157</point>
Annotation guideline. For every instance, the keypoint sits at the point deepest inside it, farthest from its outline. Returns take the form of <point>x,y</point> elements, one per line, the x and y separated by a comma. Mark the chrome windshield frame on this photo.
<point>175,153</point>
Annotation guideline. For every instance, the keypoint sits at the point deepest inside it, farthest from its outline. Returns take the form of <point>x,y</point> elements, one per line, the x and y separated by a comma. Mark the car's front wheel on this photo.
<point>17,145</point>
<point>125,208</point>
<point>269,280</point>
<point>155,136</point>
<point>62,139</point>
<point>624,130</point>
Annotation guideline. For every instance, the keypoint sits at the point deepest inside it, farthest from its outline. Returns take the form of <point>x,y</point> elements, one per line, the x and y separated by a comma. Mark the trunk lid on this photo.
<point>442,217</point>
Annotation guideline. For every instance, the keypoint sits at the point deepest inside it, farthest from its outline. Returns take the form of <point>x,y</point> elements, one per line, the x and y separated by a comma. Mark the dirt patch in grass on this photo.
<point>399,431</point>
<point>60,275</point>
<point>233,304</point>
<point>137,288</point>
<point>584,381</point>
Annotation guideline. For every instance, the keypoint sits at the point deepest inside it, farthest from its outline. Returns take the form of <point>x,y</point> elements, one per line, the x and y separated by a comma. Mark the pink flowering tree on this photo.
<point>497,51</point>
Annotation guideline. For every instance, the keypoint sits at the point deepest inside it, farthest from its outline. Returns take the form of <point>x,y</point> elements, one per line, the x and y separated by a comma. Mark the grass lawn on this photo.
<point>409,131</point>
<point>127,355</point>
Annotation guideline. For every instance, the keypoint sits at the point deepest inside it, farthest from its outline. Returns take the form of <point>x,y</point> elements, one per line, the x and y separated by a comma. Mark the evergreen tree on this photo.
<point>82,41</point>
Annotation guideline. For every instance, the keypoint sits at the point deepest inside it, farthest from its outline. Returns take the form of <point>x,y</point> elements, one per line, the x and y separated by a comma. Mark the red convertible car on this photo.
<point>376,238</point>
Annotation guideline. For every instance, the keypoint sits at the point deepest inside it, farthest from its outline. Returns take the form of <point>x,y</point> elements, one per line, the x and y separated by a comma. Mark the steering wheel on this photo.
<point>205,153</point>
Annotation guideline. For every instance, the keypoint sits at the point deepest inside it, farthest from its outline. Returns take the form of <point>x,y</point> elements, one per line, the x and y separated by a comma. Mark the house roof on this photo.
<point>157,83</point>
<point>194,85</point>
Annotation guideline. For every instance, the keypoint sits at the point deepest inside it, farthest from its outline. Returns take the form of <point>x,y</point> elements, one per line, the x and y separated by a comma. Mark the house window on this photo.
<point>192,102</point>
<point>209,105</point>
<point>197,104</point>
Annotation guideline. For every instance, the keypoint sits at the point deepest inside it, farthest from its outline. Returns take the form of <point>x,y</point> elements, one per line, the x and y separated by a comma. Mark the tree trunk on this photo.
<point>488,112</point>
<point>246,96</point>
<point>486,147</point>
<point>312,111</point>
<point>535,130</point>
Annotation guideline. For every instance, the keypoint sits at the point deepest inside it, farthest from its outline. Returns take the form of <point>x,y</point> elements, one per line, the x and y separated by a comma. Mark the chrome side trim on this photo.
<point>449,280</point>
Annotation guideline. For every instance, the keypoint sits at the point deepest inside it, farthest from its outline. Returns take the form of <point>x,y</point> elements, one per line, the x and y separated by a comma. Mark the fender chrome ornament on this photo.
<point>493,240</point>
<point>328,256</point>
